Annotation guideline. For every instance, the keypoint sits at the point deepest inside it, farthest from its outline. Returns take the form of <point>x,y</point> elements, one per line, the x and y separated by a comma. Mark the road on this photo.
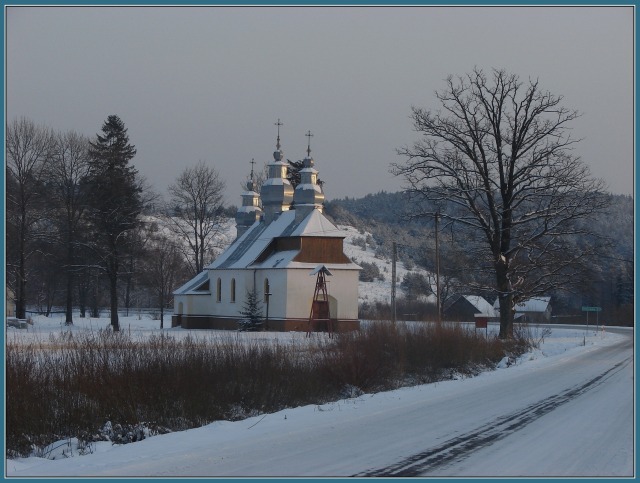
<point>571,415</point>
<point>581,424</point>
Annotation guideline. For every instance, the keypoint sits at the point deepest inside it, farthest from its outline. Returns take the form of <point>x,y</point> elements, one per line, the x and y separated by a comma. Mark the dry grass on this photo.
<point>73,384</point>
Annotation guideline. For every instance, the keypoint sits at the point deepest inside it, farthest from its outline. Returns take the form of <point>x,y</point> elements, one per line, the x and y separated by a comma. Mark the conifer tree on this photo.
<point>251,313</point>
<point>116,201</point>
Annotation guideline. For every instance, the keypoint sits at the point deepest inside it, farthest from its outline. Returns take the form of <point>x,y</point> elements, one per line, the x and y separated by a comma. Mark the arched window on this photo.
<point>233,290</point>
<point>219,291</point>
<point>266,290</point>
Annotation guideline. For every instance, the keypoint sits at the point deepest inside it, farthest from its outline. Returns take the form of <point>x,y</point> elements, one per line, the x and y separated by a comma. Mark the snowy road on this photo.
<point>581,427</point>
<point>567,415</point>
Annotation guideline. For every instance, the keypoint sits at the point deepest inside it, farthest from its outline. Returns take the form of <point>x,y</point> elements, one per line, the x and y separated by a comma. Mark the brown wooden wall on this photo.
<point>321,250</point>
<point>313,249</point>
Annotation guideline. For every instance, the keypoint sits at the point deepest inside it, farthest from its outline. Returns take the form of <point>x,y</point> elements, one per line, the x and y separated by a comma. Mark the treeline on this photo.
<point>85,231</point>
<point>390,217</point>
<point>79,234</point>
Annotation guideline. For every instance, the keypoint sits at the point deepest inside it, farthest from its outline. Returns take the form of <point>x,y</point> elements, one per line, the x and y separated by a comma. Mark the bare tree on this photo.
<point>498,155</point>
<point>194,212</point>
<point>29,147</point>
<point>165,266</point>
<point>66,185</point>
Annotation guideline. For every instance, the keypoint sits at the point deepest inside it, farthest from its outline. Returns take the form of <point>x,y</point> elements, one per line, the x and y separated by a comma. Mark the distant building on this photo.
<point>277,248</point>
<point>466,307</point>
<point>536,310</point>
<point>10,300</point>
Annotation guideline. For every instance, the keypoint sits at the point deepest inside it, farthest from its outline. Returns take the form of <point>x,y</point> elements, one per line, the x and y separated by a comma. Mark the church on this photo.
<point>283,241</point>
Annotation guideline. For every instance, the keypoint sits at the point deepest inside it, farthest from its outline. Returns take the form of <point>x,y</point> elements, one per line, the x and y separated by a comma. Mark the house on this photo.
<point>277,252</point>
<point>466,307</point>
<point>536,310</point>
<point>10,299</point>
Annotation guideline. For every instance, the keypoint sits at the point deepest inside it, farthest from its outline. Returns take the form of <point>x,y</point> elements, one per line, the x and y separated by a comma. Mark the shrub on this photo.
<point>111,385</point>
<point>369,272</point>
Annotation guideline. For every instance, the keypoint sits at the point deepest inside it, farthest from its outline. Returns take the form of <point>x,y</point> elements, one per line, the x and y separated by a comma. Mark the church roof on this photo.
<point>247,248</point>
<point>192,286</point>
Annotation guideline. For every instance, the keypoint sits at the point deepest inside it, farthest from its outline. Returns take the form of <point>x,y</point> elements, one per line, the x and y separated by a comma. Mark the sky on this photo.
<point>208,83</point>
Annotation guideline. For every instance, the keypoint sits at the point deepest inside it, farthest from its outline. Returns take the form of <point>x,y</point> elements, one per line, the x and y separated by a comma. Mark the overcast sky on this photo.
<point>208,83</point>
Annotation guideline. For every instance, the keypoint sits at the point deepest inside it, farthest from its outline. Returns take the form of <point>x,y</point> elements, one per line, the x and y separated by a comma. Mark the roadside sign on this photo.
<point>591,309</point>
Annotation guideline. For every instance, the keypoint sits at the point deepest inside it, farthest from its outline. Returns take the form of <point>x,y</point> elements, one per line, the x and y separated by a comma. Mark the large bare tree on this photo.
<point>195,208</point>
<point>28,149</point>
<point>497,154</point>
<point>67,175</point>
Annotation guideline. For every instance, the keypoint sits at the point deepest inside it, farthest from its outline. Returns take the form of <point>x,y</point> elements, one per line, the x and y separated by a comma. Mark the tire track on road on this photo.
<point>463,445</point>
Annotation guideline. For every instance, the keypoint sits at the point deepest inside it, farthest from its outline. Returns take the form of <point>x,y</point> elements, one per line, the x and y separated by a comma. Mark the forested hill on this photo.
<point>387,217</point>
<point>395,210</point>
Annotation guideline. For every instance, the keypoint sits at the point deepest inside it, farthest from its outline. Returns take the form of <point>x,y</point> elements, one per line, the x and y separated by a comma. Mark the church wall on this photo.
<point>278,289</point>
<point>193,304</point>
<point>342,286</point>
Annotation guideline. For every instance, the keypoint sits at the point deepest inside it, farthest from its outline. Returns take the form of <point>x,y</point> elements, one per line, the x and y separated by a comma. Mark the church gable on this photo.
<point>321,250</point>
<point>326,250</point>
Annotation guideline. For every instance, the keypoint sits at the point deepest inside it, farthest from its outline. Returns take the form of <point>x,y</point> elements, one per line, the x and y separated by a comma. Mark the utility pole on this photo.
<point>393,282</point>
<point>439,308</point>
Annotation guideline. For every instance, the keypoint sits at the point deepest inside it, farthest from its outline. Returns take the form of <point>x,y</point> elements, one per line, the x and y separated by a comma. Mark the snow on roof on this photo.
<point>534,304</point>
<point>246,249</point>
<point>191,286</point>
<point>316,224</point>
<point>284,259</point>
<point>483,307</point>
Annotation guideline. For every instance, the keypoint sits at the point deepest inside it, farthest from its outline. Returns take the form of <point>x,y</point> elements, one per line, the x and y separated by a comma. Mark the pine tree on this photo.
<point>251,313</point>
<point>115,202</point>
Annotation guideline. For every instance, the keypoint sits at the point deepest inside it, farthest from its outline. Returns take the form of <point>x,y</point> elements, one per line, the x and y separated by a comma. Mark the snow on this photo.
<point>484,307</point>
<point>371,431</point>
<point>378,290</point>
<point>591,436</point>
<point>316,224</point>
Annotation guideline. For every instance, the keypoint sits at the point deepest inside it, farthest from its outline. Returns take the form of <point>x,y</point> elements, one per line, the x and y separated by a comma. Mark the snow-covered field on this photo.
<point>315,440</point>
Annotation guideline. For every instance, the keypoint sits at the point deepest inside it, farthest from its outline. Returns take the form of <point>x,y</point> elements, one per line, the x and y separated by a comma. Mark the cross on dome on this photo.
<point>309,135</point>
<point>278,124</point>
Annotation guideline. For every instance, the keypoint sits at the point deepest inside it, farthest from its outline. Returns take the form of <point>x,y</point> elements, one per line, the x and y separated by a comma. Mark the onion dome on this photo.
<point>250,210</point>
<point>308,194</point>
<point>276,191</point>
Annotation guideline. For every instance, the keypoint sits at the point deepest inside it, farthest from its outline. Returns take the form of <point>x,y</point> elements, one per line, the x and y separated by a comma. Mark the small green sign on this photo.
<point>592,309</point>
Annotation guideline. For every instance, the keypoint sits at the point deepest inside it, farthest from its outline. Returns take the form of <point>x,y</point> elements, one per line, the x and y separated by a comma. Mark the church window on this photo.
<point>233,290</point>
<point>219,291</point>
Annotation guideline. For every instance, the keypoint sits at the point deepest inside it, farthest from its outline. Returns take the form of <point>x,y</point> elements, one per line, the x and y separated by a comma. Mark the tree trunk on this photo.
<point>21,296</point>
<point>22,287</point>
<point>112,272</point>
<point>505,297</point>
<point>113,289</point>
<point>69,309</point>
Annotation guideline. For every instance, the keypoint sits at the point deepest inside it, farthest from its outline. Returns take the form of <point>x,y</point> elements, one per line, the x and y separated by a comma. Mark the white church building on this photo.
<point>282,238</point>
